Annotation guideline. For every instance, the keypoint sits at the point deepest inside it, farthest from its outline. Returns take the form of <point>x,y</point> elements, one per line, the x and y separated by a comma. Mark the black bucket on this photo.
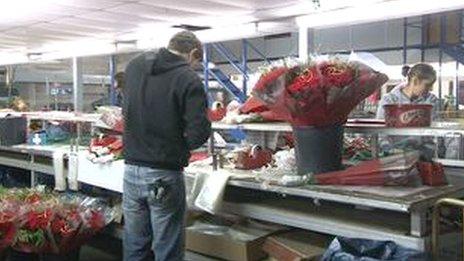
<point>318,150</point>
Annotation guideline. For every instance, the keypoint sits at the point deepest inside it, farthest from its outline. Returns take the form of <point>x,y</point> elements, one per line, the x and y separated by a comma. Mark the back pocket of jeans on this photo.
<point>166,193</point>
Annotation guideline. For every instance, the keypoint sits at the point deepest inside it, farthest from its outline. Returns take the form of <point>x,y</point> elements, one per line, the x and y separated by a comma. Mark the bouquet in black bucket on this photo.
<point>316,98</point>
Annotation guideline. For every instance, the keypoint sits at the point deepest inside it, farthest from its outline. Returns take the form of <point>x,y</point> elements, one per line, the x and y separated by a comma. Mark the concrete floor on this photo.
<point>104,248</point>
<point>93,254</point>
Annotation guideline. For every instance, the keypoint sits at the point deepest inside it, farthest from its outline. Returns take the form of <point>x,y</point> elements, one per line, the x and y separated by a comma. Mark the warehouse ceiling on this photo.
<point>33,30</point>
<point>32,24</point>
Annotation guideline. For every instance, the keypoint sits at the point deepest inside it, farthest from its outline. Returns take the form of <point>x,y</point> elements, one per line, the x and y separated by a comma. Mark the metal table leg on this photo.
<point>375,145</point>
<point>418,222</point>
<point>212,151</point>
<point>33,174</point>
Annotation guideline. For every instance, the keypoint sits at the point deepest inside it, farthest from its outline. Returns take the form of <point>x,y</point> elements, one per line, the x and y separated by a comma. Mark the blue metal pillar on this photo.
<point>424,35</point>
<point>440,58</point>
<point>206,70</point>
<point>405,41</point>
<point>78,84</point>
<point>456,91</point>
<point>461,27</point>
<point>253,48</point>
<point>112,91</point>
<point>244,66</point>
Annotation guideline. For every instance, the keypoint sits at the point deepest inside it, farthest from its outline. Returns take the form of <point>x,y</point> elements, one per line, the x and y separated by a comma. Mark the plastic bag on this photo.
<point>212,191</point>
<point>347,249</point>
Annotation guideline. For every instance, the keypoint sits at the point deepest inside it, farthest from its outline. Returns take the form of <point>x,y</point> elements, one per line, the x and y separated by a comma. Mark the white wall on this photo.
<point>365,36</point>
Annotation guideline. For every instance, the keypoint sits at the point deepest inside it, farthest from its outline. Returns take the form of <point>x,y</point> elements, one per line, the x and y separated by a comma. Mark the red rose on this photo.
<point>57,225</point>
<point>337,74</point>
<point>6,216</point>
<point>7,233</point>
<point>32,198</point>
<point>97,220</point>
<point>38,220</point>
<point>309,79</point>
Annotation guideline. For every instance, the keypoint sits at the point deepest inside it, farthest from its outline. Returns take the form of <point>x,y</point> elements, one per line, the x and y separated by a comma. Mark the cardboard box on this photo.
<point>297,245</point>
<point>235,243</point>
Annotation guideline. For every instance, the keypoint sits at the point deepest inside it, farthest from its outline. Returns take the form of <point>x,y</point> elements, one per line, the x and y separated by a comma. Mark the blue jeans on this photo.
<point>154,209</point>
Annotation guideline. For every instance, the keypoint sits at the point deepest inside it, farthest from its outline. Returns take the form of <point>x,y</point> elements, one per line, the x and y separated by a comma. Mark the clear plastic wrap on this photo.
<point>7,225</point>
<point>35,221</point>
<point>111,117</point>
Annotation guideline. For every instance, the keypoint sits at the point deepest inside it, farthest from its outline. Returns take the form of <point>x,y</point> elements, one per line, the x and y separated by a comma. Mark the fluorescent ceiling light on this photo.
<point>17,10</point>
<point>228,33</point>
<point>371,12</point>
<point>243,31</point>
<point>338,4</point>
<point>87,47</point>
<point>153,36</point>
<point>13,58</point>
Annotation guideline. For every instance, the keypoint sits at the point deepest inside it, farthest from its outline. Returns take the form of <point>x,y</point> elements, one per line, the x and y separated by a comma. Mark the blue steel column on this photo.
<point>440,58</point>
<point>405,41</point>
<point>244,66</point>
<point>461,41</point>
<point>78,84</point>
<point>424,35</point>
<point>112,91</point>
<point>457,86</point>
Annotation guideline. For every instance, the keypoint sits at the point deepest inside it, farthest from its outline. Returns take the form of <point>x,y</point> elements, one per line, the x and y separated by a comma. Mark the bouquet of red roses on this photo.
<point>46,222</point>
<point>77,220</point>
<point>316,98</point>
<point>320,93</point>
<point>34,217</point>
<point>10,205</point>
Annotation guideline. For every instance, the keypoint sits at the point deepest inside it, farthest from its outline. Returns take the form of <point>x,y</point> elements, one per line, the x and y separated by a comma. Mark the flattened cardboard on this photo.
<point>297,245</point>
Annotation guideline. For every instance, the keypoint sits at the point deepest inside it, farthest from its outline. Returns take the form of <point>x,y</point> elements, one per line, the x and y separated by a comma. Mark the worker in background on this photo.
<point>165,110</point>
<point>420,80</point>
<point>416,90</point>
<point>119,87</point>
<point>404,71</point>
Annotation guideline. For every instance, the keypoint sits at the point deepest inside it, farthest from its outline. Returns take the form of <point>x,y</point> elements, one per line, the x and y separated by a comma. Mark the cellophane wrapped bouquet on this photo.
<point>111,118</point>
<point>45,222</point>
<point>8,210</point>
<point>319,93</point>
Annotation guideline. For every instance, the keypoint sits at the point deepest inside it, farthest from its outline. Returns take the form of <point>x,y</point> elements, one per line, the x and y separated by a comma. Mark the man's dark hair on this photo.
<point>405,70</point>
<point>184,42</point>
